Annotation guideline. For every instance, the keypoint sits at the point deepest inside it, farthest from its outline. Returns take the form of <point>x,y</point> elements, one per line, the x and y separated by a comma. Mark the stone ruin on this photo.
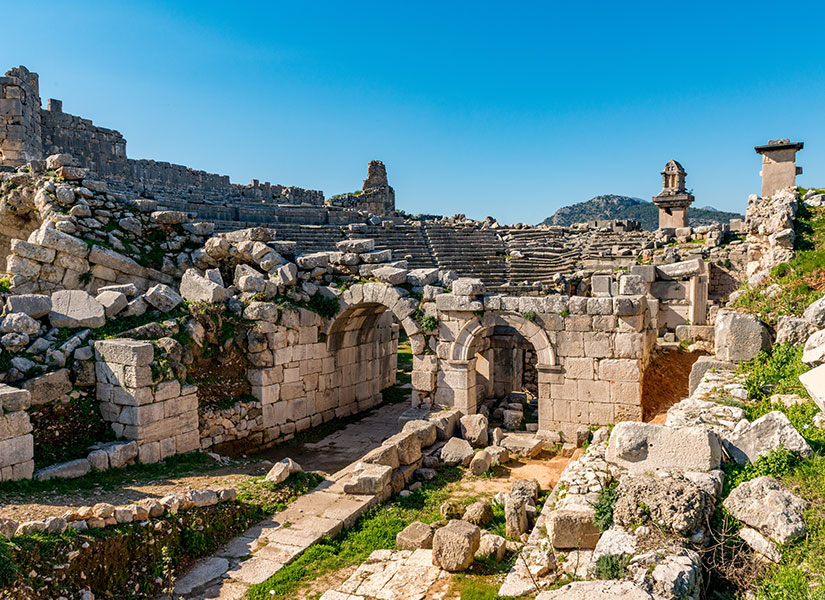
<point>308,310</point>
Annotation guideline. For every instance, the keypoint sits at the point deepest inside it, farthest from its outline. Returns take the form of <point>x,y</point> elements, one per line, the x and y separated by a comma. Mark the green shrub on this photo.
<point>776,463</point>
<point>603,518</point>
<point>8,570</point>
<point>611,566</point>
<point>429,323</point>
<point>530,316</point>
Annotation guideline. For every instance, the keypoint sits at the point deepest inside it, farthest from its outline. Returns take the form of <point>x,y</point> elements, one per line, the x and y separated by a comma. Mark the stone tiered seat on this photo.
<point>470,252</point>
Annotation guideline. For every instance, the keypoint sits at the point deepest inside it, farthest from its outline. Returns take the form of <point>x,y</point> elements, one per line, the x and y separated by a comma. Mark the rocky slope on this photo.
<point>612,206</point>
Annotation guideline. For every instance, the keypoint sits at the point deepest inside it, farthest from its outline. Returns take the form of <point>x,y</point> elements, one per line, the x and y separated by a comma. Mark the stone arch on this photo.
<point>460,349</point>
<point>377,297</point>
<point>362,340</point>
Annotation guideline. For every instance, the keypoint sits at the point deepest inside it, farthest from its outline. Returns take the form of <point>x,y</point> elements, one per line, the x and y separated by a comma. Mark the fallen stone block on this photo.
<point>66,470</point>
<point>196,288</point>
<point>455,545</point>
<point>645,448</point>
<point>408,444</point>
<point>425,430</point>
<point>456,452</point>
<point>414,536</point>
<point>34,305</point>
<point>524,445</point>
<point>474,430</point>
<point>368,478</point>
<point>162,297</point>
<point>76,308</point>
<point>814,382</point>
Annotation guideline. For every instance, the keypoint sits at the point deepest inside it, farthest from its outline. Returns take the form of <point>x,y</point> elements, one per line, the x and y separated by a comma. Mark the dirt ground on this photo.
<point>666,382</point>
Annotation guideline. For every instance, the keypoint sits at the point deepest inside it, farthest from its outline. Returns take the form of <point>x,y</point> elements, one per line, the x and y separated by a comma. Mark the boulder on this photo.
<point>480,463</point>
<point>76,308</point>
<point>515,516</point>
<point>675,503</point>
<point>456,452</point>
<point>647,448</point>
<point>474,430</point>
<point>814,382</point>
<point>498,454</point>
<point>66,470</point>
<point>749,441</point>
<point>368,478</point>
<point>814,353</point>
<point>34,305</point>
<point>162,297</point>
<point>815,314</point>
<point>792,330</point>
<point>20,323</point>
<point>739,336</point>
<point>383,455</point>
<point>196,288</point>
<point>414,536</point>
<point>455,545</point>
<point>478,513</point>
<point>446,422</point>
<point>425,430</point>
<point>764,504</point>
<point>572,528</point>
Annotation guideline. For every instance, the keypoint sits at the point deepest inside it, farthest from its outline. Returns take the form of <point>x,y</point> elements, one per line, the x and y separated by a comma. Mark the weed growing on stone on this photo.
<point>611,566</point>
<point>603,518</point>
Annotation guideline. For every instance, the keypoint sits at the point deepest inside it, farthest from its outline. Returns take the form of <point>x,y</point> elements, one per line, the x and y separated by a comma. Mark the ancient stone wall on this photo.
<point>20,130</point>
<point>770,233</point>
<point>16,441</point>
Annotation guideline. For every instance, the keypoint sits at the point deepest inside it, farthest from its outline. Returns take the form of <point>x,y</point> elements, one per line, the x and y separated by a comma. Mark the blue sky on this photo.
<point>507,109</point>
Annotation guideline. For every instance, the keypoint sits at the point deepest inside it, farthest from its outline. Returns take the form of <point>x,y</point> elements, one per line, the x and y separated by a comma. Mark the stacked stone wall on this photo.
<point>16,440</point>
<point>161,417</point>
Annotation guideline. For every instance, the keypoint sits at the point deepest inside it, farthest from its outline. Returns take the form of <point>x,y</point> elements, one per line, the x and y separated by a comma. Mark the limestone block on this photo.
<point>162,297</point>
<point>814,382</point>
<point>815,313</point>
<point>814,352</point>
<point>383,455</point>
<point>597,590</point>
<point>378,256</point>
<point>116,261</point>
<point>34,305</point>
<point>474,430</point>
<point>121,453</point>
<point>569,529</point>
<point>446,423</point>
<point>368,479</point>
<point>425,430</point>
<point>66,470</point>
<point>76,308</point>
<point>739,336</point>
<point>525,445</point>
<point>414,536</point>
<point>49,387</point>
<point>16,450</point>
<point>14,424</point>
<point>356,246</point>
<point>125,352</point>
<point>18,322</point>
<point>646,448</point>
<point>681,270</point>
<point>451,302</point>
<point>59,241</point>
<point>422,277</point>
<point>481,462</point>
<point>619,369</point>
<point>456,452</point>
<point>424,381</point>
<point>32,251</point>
<point>196,288</point>
<point>455,545</point>
<point>112,302</point>
<point>391,275</point>
<point>408,444</point>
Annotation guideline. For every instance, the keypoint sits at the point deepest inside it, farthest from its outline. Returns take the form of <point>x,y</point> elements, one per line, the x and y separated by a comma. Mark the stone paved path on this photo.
<point>265,548</point>
<point>344,446</point>
<point>390,575</point>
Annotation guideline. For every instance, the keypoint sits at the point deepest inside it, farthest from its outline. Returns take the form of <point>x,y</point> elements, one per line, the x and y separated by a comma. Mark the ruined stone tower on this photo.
<point>779,168</point>
<point>674,199</point>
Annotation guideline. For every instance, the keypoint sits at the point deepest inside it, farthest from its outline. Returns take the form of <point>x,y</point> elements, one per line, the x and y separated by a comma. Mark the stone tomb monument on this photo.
<point>779,168</point>
<point>674,199</point>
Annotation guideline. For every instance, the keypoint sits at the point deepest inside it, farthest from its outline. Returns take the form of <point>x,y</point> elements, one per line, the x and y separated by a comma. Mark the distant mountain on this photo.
<point>611,206</point>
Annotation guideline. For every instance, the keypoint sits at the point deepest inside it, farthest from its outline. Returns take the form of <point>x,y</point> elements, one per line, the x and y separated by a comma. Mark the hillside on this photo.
<point>612,206</point>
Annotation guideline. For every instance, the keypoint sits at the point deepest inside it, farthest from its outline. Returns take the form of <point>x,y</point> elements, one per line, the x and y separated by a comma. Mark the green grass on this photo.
<point>775,372</point>
<point>375,530</point>
<point>802,280</point>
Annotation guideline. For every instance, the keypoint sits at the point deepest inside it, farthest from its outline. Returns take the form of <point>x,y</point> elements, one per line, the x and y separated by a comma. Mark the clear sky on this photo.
<point>501,108</point>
